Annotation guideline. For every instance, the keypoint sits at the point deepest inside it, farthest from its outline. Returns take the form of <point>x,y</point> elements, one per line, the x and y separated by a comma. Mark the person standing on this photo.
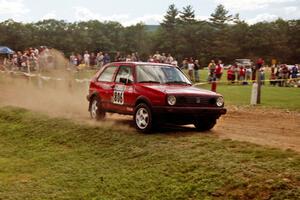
<point>100,57</point>
<point>273,76</point>
<point>248,73</point>
<point>211,70</point>
<point>156,57</point>
<point>163,58</point>
<point>133,58</point>
<point>86,59</point>
<point>230,74</point>
<point>106,59</point>
<point>294,71</point>
<point>93,60</point>
<point>285,75</point>
<point>72,60</point>
<point>196,71</point>
<point>262,75</point>
<point>169,59</point>
<point>118,57</point>
<point>219,70</point>
<point>174,62</point>
<point>191,68</point>
<point>242,74</point>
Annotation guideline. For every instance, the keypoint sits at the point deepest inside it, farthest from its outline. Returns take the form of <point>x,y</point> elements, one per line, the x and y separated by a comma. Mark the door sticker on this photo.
<point>118,97</point>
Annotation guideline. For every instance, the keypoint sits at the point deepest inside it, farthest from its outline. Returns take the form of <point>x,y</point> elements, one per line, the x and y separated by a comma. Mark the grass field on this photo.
<point>50,158</point>
<point>271,97</point>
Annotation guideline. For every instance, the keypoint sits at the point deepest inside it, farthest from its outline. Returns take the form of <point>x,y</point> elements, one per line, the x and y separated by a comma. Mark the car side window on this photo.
<point>125,73</point>
<point>108,74</point>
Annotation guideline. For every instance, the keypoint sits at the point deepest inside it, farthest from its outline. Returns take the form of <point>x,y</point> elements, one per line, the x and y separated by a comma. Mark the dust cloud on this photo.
<point>60,96</point>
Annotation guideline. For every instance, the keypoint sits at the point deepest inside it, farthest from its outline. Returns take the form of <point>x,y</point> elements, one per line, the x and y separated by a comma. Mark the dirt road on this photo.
<point>275,128</point>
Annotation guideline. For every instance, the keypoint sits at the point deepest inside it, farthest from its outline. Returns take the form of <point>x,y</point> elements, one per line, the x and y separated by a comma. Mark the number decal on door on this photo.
<point>118,97</point>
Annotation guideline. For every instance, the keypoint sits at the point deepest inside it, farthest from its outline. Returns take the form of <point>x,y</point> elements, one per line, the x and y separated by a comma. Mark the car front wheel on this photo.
<point>96,111</point>
<point>143,118</point>
<point>205,124</point>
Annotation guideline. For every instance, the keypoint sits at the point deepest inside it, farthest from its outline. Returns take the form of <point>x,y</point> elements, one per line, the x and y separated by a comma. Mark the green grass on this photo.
<point>50,158</point>
<point>272,97</point>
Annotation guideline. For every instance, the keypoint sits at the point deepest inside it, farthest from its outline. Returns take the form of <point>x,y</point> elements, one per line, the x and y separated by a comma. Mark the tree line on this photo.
<point>223,36</point>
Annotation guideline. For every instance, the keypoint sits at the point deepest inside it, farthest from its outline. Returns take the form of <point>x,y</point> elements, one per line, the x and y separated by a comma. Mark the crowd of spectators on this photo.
<point>30,60</point>
<point>26,60</point>
<point>97,60</point>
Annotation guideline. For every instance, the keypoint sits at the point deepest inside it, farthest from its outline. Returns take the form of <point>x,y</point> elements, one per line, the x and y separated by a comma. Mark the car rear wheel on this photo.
<point>205,124</point>
<point>96,111</point>
<point>143,118</point>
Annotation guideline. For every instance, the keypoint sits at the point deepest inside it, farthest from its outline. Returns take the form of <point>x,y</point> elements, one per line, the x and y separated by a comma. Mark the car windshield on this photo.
<point>160,74</point>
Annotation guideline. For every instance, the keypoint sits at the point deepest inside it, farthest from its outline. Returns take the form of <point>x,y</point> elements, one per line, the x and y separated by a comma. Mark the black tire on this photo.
<point>205,124</point>
<point>96,111</point>
<point>143,119</point>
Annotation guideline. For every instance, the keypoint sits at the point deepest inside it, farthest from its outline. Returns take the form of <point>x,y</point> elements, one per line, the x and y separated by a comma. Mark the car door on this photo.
<point>105,85</point>
<point>123,94</point>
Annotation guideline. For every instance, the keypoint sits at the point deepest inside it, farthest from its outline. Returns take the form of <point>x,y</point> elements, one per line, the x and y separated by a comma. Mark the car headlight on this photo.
<point>220,101</point>
<point>171,100</point>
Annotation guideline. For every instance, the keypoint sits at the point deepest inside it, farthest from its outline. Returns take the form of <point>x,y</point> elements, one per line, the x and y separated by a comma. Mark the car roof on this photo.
<point>141,63</point>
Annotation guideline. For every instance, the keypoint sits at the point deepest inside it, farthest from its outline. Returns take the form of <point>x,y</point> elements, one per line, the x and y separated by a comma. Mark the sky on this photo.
<point>129,12</point>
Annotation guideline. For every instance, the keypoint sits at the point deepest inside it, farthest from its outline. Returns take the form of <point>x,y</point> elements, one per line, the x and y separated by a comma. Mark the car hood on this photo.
<point>180,89</point>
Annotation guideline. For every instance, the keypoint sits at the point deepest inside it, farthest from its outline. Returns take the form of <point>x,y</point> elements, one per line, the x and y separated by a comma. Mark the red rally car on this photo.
<point>154,94</point>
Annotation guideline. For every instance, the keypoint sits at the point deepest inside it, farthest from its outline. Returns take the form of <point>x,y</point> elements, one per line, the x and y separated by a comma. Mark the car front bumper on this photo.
<point>189,111</point>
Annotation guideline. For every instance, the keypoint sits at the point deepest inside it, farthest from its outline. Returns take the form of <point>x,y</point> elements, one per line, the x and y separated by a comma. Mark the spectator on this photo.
<point>106,59</point>
<point>128,58</point>
<point>93,59</point>
<point>273,75</point>
<point>248,73</point>
<point>133,57</point>
<point>150,59</point>
<point>219,70</point>
<point>100,58</point>
<point>79,59</point>
<point>191,68</point>
<point>231,74</point>
<point>242,74</point>
<point>156,57</point>
<point>174,62</point>
<point>184,63</point>
<point>118,57</point>
<point>24,62</point>
<point>211,70</point>
<point>163,58</point>
<point>262,75</point>
<point>15,61</point>
<point>86,59</point>
<point>285,74</point>
<point>19,59</point>
<point>196,70</point>
<point>137,56</point>
<point>259,64</point>
<point>294,71</point>
<point>73,59</point>
<point>169,59</point>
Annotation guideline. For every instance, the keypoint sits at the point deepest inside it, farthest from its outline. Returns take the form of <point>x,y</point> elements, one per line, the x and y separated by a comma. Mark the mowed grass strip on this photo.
<point>51,158</point>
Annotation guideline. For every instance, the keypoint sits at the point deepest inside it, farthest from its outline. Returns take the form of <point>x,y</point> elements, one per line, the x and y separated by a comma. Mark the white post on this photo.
<point>253,100</point>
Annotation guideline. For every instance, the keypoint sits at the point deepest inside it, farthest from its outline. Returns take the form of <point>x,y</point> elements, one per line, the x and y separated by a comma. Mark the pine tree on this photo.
<point>171,18</point>
<point>220,16</point>
<point>187,15</point>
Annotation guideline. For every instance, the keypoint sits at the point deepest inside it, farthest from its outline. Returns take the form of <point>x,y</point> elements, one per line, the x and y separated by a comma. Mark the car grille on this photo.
<point>195,101</point>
